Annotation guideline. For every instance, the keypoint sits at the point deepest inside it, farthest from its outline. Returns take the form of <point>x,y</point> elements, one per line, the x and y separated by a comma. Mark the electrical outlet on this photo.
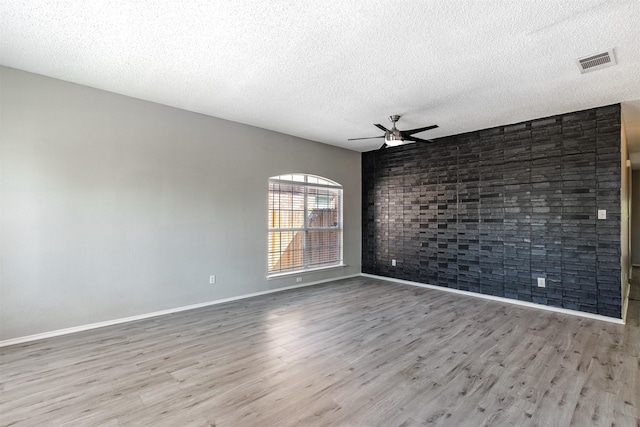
<point>298,279</point>
<point>393,263</point>
<point>602,214</point>
<point>212,279</point>
<point>542,282</point>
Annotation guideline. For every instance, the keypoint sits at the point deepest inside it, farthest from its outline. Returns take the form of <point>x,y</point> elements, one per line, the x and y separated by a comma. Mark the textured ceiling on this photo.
<point>327,70</point>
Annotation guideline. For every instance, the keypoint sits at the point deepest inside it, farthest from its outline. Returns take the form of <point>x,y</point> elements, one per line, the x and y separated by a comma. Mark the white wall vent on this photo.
<point>597,61</point>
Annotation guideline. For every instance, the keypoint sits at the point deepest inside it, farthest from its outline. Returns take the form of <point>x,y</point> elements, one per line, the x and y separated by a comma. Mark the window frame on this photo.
<point>320,183</point>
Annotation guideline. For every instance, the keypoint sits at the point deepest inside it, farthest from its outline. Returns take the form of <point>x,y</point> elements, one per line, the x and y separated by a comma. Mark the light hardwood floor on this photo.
<point>356,352</point>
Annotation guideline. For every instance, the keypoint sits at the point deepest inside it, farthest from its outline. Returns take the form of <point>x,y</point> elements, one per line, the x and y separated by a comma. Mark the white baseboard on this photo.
<point>501,299</point>
<point>35,337</point>
<point>59,332</point>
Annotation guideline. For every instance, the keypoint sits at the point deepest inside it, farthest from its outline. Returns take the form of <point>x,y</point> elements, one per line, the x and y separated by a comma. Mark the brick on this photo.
<point>489,211</point>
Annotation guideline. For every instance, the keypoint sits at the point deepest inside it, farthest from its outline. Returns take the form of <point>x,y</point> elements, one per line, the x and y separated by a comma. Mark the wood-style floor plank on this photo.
<point>356,352</point>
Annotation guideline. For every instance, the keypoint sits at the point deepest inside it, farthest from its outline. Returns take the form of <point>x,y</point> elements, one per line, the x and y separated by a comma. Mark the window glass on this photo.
<point>305,223</point>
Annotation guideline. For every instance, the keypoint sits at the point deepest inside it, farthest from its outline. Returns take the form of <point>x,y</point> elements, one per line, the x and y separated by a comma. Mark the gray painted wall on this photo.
<point>115,207</point>
<point>635,217</point>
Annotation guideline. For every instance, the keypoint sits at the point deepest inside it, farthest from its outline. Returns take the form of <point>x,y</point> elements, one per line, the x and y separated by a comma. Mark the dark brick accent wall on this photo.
<point>491,211</point>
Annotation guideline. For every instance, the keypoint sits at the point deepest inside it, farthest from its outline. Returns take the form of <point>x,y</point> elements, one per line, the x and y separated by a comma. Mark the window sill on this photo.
<point>301,272</point>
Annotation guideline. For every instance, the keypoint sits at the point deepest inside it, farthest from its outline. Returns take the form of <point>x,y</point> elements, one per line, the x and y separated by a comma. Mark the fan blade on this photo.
<point>379,126</point>
<point>414,139</point>
<point>370,137</point>
<point>412,131</point>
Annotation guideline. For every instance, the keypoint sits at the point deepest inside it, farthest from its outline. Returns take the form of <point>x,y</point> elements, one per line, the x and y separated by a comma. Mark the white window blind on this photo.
<point>305,223</point>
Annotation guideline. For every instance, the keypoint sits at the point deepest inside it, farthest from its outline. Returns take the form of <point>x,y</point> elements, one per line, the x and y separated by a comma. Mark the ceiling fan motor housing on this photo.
<point>393,137</point>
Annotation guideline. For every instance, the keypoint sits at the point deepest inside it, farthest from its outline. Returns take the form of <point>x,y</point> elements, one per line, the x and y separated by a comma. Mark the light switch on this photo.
<point>602,214</point>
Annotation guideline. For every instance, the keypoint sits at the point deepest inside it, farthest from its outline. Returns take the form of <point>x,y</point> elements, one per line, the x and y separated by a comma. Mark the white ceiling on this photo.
<point>327,70</point>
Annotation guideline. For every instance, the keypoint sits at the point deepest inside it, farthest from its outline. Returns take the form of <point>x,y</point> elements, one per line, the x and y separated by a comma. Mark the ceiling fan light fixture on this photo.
<point>393,140</point>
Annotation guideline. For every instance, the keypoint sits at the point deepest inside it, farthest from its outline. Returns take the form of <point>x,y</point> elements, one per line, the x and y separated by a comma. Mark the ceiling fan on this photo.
<point>395,136</point>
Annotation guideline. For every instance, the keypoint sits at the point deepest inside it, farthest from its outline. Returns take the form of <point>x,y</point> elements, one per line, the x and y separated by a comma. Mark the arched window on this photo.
<point>305,223</point>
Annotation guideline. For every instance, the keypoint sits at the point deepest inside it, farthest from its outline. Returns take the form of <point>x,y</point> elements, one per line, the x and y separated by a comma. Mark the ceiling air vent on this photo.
<point>596,62</point>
